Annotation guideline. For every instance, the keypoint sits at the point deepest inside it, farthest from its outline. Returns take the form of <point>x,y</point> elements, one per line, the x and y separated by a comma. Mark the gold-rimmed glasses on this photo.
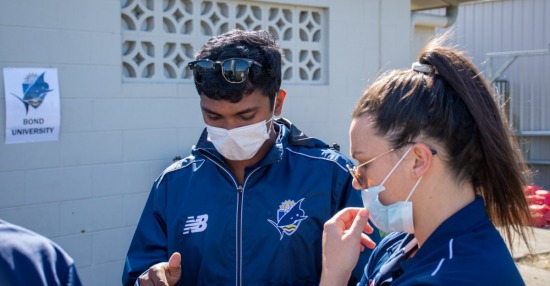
<point>354,171</point>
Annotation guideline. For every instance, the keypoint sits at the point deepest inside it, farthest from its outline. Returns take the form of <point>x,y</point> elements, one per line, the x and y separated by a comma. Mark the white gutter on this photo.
<point>431,20</point>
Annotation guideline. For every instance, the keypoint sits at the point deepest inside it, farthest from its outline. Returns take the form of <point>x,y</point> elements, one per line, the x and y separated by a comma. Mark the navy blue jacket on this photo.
<point>267,231</point>
<point>466,249</point>
<point>28,258</point>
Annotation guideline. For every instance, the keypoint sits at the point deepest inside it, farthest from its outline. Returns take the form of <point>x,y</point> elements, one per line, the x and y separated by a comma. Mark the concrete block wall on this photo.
<point>362,43</point>
<point>86,191</point>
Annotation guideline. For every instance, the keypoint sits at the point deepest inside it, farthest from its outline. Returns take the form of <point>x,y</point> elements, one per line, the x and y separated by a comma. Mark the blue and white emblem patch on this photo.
<point>289,216</point>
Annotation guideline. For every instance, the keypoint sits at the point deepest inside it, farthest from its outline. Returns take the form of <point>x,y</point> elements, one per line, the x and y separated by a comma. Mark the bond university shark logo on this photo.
<point>33,112</point>
<point>35,90</point>
<point>289,216</point>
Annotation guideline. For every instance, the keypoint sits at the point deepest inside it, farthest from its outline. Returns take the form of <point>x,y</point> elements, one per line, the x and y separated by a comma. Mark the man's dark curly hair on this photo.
<point>256,45</point>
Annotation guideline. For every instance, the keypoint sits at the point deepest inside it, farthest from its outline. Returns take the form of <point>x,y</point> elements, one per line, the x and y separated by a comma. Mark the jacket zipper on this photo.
<point>240,197</point>
<point>239,241</point>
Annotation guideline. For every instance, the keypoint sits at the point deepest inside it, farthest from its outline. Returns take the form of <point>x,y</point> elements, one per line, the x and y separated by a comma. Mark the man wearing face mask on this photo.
<point>247,207</point>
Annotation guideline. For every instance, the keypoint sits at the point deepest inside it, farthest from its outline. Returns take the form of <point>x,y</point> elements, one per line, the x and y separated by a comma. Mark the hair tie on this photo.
<point>423,68</point>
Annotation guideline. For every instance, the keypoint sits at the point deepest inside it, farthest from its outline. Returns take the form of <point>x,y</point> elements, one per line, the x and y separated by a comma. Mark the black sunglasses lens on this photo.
<point>200,67</point>
<point>235,70</point>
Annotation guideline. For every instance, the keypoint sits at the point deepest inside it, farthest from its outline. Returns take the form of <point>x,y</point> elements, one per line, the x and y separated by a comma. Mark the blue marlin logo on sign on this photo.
<point>289,217</point>
<point>34,90</point>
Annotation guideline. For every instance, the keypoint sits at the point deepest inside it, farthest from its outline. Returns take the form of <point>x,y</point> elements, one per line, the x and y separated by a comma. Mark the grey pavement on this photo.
<point>540,243</point>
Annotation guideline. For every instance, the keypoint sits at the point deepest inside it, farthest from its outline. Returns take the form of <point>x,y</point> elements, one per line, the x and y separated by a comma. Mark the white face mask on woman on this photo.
<point>397,217</point>
<point>240,143</point>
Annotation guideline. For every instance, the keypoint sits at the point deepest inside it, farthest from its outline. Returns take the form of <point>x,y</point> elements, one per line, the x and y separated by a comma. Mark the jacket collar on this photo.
<point>472,217</point>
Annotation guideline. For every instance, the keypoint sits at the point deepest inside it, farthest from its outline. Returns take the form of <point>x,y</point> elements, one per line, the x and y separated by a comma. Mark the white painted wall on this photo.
<point>86,191</point>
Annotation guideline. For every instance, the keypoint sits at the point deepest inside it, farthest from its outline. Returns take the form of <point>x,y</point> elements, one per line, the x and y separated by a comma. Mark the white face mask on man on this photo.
<point>397,217</point>
<point>240,143</point>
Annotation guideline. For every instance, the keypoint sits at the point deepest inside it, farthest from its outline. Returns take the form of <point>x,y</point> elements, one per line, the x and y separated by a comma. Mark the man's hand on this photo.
<point>343,240</point>
<point>163,274</point>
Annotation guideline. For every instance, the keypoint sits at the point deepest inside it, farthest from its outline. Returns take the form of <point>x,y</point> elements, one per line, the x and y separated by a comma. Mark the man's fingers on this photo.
<point>174,265</point>
<point>158,276</point>
<point>145,281</point>
<point>163,274</point>
<point>173,269</point>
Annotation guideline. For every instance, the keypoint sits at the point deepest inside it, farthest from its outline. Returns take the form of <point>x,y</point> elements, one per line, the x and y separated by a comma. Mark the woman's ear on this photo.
<point>423,156</point>
<point>279,100</point>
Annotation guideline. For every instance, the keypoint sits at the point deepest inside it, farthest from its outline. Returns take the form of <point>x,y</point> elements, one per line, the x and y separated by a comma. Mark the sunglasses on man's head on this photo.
<point>234,70</point>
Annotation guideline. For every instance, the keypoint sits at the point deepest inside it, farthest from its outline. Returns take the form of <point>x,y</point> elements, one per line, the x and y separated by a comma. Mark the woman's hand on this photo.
<point>343,240</point>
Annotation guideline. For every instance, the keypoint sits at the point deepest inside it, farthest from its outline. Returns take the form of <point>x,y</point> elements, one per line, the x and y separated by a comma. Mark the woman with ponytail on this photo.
<point>438,170</point>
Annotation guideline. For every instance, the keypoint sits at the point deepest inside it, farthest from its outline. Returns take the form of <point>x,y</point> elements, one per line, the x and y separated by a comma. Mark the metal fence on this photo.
<point>521,78</point>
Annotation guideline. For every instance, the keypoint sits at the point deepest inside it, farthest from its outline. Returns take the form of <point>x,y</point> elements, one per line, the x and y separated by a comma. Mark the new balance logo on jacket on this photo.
<point>193,224</point>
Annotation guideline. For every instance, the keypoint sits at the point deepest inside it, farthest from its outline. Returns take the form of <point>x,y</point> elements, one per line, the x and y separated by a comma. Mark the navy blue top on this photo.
<point>466,249</point>
<point>267,231</point>
<point>28,258</point>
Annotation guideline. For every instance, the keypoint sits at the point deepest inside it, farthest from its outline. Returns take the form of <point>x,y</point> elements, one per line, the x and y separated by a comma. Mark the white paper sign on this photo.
<point>32,104</point>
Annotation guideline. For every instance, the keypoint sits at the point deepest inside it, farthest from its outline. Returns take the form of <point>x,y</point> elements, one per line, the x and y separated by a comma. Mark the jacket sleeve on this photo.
<point>28,258</point>
<point>149,245</point>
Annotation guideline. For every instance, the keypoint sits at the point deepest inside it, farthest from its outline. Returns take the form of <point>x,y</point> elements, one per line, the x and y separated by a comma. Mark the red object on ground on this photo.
<point>540,215</point>
<point>545,194</point>
<point>531,189</point>
<point>539,205</point>
<point>535,200</point>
